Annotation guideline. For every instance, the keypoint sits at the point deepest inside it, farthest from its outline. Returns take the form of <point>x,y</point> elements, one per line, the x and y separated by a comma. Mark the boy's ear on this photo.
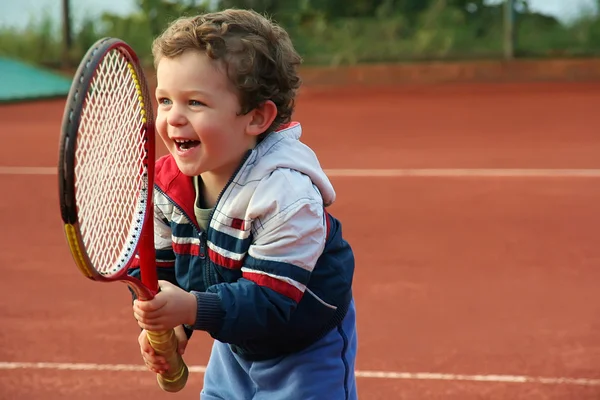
<point>262,118</point>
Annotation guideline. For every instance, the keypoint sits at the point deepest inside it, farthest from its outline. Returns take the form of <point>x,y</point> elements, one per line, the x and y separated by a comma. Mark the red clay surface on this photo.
<point>476,276</point>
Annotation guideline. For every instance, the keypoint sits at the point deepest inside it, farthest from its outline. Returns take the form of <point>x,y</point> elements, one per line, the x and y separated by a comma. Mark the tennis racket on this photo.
<point>106,179</point>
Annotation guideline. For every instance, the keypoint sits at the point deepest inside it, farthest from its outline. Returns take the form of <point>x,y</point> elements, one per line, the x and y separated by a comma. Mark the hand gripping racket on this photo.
<point>106,179</point>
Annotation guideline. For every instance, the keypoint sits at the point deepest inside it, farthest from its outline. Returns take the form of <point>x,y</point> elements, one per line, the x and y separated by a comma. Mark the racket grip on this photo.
<point>165,344</point>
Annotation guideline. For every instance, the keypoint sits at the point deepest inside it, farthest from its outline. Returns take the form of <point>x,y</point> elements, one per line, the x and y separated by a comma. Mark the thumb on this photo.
<point>182,339</point>
<point>165,285</point>
<point>144,343</point>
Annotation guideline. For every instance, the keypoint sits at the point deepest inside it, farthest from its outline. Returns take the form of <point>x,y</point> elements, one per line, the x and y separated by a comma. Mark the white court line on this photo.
<point>393,173</point>
<point>426,172</point>
<point>359,374</point>
<point>464,172</point>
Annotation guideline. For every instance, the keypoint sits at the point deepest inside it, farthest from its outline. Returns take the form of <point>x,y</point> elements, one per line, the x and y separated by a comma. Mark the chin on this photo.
<point>188,169</point>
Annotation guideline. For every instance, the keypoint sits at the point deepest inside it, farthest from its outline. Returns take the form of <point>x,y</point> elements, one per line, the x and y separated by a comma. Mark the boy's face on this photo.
<point>197,116</point>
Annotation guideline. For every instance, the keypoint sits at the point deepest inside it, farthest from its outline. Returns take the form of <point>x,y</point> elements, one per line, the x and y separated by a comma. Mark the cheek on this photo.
<point>213,137</point>
<point>161,125</point>
<point>213,130</point>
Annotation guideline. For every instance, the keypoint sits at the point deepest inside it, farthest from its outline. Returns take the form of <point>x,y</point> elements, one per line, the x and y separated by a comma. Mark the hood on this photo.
<point>283,149</point>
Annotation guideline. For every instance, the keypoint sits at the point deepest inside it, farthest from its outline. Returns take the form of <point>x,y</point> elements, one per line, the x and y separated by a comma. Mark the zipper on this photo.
<point>209,280</point>
<point>229,182</point>
<point>200,233</point>
<point>207,260</point>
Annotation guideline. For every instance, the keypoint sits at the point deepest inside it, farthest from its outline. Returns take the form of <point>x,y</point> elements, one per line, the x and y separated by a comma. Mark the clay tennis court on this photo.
<point>474,211</point>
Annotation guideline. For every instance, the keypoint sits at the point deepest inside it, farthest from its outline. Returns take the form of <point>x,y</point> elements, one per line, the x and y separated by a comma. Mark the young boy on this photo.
<point>246,249</point>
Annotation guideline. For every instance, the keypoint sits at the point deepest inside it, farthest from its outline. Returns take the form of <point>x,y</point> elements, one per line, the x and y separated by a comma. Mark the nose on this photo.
<point>176,116</point>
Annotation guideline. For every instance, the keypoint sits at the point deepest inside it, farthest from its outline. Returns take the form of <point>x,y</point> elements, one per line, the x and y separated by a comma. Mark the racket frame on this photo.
<point>147,287</point>
<point>164,342</point>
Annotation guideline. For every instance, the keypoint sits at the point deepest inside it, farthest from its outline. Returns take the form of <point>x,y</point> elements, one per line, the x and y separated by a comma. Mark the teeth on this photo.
<point>182,141</point>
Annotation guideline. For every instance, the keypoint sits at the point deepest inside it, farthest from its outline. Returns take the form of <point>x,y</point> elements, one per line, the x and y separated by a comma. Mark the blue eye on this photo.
<point>164,101</point>
<point>196,103</point>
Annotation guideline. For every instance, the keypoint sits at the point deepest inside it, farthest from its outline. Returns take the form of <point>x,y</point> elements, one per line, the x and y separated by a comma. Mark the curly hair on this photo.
<point>258,55</point>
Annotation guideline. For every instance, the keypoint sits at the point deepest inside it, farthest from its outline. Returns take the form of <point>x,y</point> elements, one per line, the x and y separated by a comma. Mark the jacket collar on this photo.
<point>177,186</point>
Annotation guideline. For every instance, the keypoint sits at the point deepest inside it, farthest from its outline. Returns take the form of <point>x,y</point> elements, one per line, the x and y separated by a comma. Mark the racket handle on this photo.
<point>165,344</point>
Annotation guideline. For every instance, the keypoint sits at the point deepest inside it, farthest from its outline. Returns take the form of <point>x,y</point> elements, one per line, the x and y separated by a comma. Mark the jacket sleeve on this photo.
<point>289,231</point>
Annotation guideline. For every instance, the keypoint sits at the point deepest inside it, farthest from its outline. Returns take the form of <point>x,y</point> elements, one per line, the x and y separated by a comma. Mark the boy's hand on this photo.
<point>158,364</point>
<point>171,307</point>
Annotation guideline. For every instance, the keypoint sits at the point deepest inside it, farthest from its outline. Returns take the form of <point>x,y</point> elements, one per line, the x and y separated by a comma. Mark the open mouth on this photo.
<point>185,145</point>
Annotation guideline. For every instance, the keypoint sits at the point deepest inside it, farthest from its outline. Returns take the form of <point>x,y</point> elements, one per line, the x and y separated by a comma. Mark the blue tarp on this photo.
<point>20,81</point>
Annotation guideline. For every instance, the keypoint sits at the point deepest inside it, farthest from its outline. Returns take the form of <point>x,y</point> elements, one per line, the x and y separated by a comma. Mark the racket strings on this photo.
<point>110,167</point>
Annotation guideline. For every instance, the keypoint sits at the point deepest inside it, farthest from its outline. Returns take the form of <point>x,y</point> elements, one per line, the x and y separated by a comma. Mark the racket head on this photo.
<point>106,162</point>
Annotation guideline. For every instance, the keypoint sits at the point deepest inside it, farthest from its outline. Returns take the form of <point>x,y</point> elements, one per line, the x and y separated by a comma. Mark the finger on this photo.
<point>148,317</point>
<point>152,326</point>
<point>154,360</point>
<point>150,305</point>
<point>142,323</point>
<point>144,344</point>
<point>156,367</point>
<point>164,284</point>
<point>149,325</point>
<point>147,350</point>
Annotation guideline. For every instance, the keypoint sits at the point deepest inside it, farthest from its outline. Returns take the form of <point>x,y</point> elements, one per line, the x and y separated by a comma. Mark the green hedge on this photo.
<point>441,32</point>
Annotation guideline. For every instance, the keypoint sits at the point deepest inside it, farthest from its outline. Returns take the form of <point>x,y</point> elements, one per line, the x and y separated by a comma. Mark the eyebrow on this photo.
<point>190,92</point>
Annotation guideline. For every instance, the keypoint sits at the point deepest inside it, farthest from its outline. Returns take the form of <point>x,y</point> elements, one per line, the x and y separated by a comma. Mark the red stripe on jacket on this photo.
<point>223,261</point>
<point>186,248</point>
<point>272,283</point>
